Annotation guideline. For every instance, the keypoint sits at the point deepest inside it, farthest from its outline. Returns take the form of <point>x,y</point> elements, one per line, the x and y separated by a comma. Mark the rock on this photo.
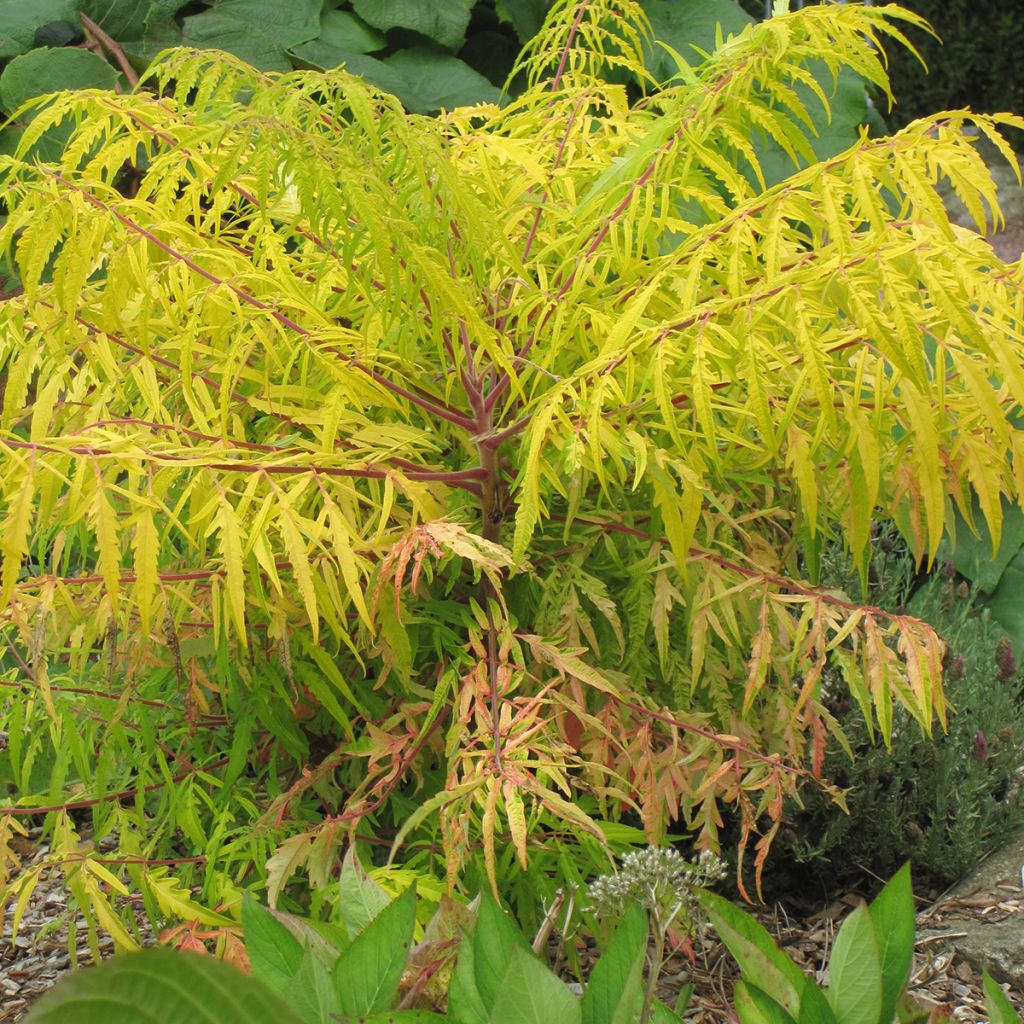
<point>985,913</point>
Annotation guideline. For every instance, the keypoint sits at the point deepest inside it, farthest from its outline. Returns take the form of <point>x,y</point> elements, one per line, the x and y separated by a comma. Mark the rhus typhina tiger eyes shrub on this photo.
<point>459,483</point>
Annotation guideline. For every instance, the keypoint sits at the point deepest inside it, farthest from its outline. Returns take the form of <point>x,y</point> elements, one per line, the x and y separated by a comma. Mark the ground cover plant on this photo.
<point>457,486</point>
<point>474,965</point>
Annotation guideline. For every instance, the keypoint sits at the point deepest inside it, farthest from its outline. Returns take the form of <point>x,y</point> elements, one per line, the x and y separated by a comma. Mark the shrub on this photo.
<point>947,800</point>
<point>973,62</point>
<point>460,484</point>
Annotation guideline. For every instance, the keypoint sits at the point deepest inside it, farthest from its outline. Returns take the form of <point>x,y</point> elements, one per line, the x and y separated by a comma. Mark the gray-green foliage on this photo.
<point>948,799</point>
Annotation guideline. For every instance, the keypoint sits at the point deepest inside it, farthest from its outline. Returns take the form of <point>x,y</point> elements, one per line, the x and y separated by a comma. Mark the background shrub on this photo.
<point>945,801</point>
<point>977,64</point>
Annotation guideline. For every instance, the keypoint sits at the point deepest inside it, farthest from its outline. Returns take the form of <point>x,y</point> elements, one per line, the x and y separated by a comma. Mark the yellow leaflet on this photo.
<point>929,467</point>
<point>295,548</point>
<point>145,549</point>
<point>176,901</point>
<point>487,823</point>
<point>516,815</point>
<point>14,538</point>
<point>798,459</point>
<point>343,552</point>
<point>529,491</point>
<point>231,553</point>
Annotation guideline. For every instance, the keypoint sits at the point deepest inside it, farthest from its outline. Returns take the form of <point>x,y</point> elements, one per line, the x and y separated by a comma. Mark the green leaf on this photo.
<point>684,24</point>
<point>974,556</point>
<point>120,19</point>
<point>20,20</point>
<point>892,915</point>
<point>529,993</point>
<point>360,898</point>
<point>761,961</point>
<point>311,993</point>
<point>433,80</point>
<point>367,974</point>
<point>756,1007</point>
<point>525,16</point>
<point>258,31</point>
<point>43,71</point>
<point>815,1008</point>
<point>855,971</point>
<point>342,34</point>
<point>614,993</point>
<point>445,23</point>
<point>464,1001</point>
<point>495,938</point>
<point>1000,1010</point>
<point>161,986</point>
<point>275,954</point>
<point>162,30</point>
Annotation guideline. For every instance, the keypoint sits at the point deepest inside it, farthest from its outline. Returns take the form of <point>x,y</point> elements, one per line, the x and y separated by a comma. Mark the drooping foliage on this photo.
<point>460,483</point>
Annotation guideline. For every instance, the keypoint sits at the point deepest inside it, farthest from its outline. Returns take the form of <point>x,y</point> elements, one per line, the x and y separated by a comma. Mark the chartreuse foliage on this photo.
<point>463,480</point>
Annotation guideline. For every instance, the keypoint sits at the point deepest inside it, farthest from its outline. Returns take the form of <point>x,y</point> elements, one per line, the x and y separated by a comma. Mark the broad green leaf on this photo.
<point>685,24</point>
<point>19,21</point>
<point>526,16</point>
<point>311,993</point>
<point>275,954</point>
<point>761,962</point>
<point>614,990</point>
<point>258,31</point>
<point>432,80</point>
<point>464,1001</point>
<point>341,35</point>
<point>892,915</point>
<point>973,555</point>
<point>121,19</point>
<point>855,971</point>
<point>815,1007</point>
<point>43,71</point>
<point>367,974</point>
<point>445,23</point>
<point>529,993</point>
<point>360,898</point>
<point>754,1006</point>
<point>1000,1010</point>
<point>161,986</point>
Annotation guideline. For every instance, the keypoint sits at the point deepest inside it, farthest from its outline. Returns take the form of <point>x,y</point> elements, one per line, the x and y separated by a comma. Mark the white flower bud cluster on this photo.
<point>661,880</point>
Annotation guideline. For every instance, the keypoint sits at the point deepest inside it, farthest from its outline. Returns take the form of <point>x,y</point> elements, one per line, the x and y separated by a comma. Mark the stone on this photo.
<point>984,915</point>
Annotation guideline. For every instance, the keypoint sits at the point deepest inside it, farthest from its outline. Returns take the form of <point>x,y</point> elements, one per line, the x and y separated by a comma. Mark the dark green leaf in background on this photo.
<point>121,19</point>
<point>258,31</point>
<point>445,22</point>
<point>161,29</point>
<point>684,24</point>
<point>21,19</point>
<point>341,35</point>
<point>42,71</point>
<point>433,80</point>
<point>525,16</point>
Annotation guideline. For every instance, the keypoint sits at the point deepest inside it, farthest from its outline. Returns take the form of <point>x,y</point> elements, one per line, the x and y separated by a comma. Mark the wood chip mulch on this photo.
<point>39,957</point>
